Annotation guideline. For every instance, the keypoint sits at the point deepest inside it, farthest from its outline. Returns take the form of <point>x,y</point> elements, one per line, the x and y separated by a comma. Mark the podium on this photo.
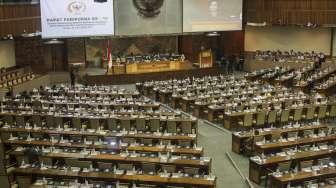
<point>205,59</point>
<point>116,69</point>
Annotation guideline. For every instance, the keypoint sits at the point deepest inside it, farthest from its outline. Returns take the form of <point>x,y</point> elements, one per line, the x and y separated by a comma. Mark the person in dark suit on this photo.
<point>72,77</point>
<point>241,62</point>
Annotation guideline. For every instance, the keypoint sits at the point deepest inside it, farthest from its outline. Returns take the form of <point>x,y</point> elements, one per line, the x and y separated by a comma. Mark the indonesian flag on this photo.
<point>110,60</point>
<point>108,55</point>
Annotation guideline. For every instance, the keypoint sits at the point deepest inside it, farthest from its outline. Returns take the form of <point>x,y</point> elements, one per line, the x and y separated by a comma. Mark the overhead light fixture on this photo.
<point>212,34</point>
<point>54,41</point>
<point>263,24</point>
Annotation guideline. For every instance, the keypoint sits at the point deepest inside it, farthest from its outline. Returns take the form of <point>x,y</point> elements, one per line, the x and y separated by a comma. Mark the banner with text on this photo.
<point>76,18</point>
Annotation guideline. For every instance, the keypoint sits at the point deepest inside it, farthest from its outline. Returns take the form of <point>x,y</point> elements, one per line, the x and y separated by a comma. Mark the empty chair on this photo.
<point>128,140</point>
<point>4,181</point>
<point>140,124</point>
<point>306,164</point>
<point>292,134</point>
<point>154,124</point>
<point>24,181</point>
<point>310,113</point>
<point>94,124</point>
<point>297,114</point>
<point>92,138</point>
<point>36,120</point>
<point>321,114</point>
<point>112,124</point>
<point>168,168</point>
<point>332,111</point>
<point>310,184</point>
<point>186,127</point>
<point>84,164</point>
<point>8,119</point>
<point>308,133</point>
<point>284,166</point>
<point>247,121</point>
<point>304,147</point>
<point>147,142</point>
<point>21,158</point>
<point>58,121</point>
<point>324,161</point>
<point>46,160</point>
<point>76,123</point>
<point>125,166</point>
<point>261,117</point>
<point>284,117</point>
<point>171,126</point>
<point>50,121</point>
<point>184,143</point>
<point>276,137</point>
<point>104,166</point>
<point>72,162</point>
<point>191,171</point>
<point>125,124</point>
<point>148,168</point>
<point>37,105</point>
<point>20,120</point>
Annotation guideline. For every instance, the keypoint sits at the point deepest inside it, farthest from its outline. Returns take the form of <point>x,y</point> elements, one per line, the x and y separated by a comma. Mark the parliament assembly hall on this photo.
<point>167,93</point>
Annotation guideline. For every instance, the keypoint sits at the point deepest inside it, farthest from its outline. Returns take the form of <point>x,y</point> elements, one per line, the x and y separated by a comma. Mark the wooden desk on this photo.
<point>300,177</point>
<point>109,176</point>
<point>238,140</point>
<point>104,133</point>
<point>110,158</point>
<point>199,109</point>
<point>273,147</point>
<point>186,102</point>
<point>257,169</point>
<point>154,149</point>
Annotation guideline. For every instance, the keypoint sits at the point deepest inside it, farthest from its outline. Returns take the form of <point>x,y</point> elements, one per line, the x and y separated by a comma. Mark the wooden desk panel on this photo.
<point>239,139</point>
<point>118,158</point>
<point>174,150</point>
<point>269,147</point>
<point>300,177</point>
<point>256,170</point>
<point>105,134</point>
<point>109,176</point>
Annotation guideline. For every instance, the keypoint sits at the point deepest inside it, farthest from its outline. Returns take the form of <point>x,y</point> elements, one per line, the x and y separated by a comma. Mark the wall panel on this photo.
<point>15,19</point>
<point>287,38</point>
<point>290,12</point>
<point>7,54</point>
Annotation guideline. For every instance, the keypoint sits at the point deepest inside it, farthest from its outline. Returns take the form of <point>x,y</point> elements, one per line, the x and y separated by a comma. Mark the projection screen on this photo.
<point>212,15</point>
<point>142,17</point>
<point>76,18</point>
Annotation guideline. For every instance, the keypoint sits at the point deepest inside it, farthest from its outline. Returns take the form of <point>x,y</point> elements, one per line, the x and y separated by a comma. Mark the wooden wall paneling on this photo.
<point>14,19</point>
<point>291,12</point>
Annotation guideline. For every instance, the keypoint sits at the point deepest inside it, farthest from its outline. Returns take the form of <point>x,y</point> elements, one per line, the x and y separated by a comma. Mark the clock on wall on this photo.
<point>148,8</point>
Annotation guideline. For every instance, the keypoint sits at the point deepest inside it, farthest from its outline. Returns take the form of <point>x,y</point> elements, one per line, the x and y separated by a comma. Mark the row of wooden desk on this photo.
<point>207,182</point>
<point>239,139</point>
<point>259,168</point>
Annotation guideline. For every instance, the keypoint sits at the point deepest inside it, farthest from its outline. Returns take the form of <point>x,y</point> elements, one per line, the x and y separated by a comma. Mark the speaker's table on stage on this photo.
<point>147,67</point>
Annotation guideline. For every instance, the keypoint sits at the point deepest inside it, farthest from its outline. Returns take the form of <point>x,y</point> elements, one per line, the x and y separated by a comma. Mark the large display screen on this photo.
<point>212,15</point>
<point>76,18</point>
<point>143,17</point>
